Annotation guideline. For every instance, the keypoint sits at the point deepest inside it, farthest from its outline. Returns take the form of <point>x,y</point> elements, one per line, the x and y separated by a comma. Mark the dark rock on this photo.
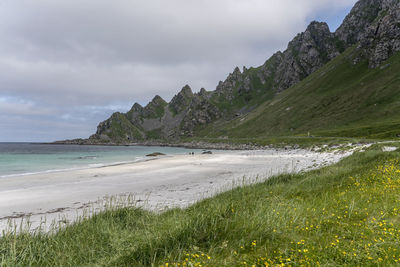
<point>305,54</point>
<point>382,37</point>
<point>182,100</point>
<point>155,154</point>
<point>354,26</point>
<point>374,24</point>
<point>227,88</point>
<point>136,107</point>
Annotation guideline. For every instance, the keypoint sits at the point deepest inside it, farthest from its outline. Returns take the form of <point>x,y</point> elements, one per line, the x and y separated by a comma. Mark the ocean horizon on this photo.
<point>26,158</point>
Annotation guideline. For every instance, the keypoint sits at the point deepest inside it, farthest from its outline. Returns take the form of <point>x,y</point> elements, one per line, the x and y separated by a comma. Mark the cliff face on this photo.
<point>306,53</point>
<point>382,37</point>
<point>354,26</point>
<point>372,25</point>
<point>375,26</point>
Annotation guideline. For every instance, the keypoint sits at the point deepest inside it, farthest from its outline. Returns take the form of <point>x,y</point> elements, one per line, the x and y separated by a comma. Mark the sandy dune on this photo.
<point>172,181</point>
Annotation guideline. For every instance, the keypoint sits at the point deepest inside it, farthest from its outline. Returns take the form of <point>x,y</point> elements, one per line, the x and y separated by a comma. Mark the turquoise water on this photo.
<point>26,158</point>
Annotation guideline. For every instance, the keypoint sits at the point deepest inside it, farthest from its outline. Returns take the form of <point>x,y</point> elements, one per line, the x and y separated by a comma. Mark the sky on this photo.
<point>66,65</point>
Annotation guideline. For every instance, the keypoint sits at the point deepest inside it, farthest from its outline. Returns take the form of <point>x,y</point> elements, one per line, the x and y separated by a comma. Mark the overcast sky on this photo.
<point>66,65</point>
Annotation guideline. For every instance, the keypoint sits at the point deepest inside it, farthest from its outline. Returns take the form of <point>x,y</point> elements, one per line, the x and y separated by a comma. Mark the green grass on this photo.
<point>121,129</point>
<point>155,110</point>
<point>155,134</point>
<point>346,214</point>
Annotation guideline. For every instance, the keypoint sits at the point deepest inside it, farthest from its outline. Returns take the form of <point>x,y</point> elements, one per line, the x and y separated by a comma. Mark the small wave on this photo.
<point>89,166</point>
<point>96,165</point>
<point>39,172</point>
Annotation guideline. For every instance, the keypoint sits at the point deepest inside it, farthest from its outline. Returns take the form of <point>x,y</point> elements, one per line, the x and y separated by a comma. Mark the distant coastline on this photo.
<point>193,144</point>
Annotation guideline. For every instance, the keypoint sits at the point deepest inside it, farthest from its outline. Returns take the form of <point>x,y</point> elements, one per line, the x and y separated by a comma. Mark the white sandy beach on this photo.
<point>171,181</point>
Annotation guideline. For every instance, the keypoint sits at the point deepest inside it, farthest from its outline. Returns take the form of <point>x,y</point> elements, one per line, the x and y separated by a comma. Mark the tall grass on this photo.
<point>345,214</point>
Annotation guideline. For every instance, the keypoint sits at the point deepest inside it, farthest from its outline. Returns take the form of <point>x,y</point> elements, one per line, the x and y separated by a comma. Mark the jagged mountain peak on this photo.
<point>155,108</point>
<point>307,52</point>
<point>236,71</point>
<point>382,38</point>
<point>186,91</point>
<point>375,26</point>
<point>136,107</point>
<point>157,100</point>
<point>317,25</point>
<point>316,34</point>
<point>372,24</point>
<point>203,92</point>
<point>361,16</point>
<point>181,100</point>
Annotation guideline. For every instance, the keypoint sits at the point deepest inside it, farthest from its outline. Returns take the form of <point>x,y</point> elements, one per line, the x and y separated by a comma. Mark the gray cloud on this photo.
<point>59,59</point>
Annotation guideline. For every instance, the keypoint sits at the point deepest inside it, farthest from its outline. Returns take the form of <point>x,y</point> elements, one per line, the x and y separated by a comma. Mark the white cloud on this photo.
<point>20,107</point>
<point>68,54</point>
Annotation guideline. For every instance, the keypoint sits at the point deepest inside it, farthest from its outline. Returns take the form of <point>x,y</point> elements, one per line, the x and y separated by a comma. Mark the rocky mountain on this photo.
<point>382,37</point>
<point>375,26</point>
<point>372,26</point>
<point>306,53</point>
<point>159,120</point>
<point>356,23</point>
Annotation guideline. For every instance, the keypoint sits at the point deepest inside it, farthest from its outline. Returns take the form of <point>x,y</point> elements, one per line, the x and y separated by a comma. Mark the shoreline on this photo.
<point>153,184</point>
<point>189,145</point>
<point>58,158</point>
<point>224,144</point>
<point>192,145</point>
<point>90,166</point>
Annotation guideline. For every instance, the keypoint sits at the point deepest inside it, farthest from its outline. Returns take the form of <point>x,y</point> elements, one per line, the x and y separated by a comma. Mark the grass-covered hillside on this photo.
<point>342,99</point>
<point>346,214</point>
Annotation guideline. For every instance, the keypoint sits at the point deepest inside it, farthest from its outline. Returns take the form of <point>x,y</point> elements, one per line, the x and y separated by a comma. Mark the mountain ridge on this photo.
<point>372,26</point>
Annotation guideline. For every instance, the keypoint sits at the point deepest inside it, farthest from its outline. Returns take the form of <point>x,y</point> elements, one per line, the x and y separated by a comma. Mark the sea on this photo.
<point>32,158</point>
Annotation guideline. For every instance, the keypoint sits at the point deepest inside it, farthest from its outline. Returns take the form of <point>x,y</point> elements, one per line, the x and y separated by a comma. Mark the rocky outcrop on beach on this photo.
<point>373,26</point>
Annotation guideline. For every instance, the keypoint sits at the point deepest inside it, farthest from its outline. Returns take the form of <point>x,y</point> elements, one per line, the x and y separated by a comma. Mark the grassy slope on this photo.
<point>346,214</point>
<point>121,128</point>
<point>339,100</point>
